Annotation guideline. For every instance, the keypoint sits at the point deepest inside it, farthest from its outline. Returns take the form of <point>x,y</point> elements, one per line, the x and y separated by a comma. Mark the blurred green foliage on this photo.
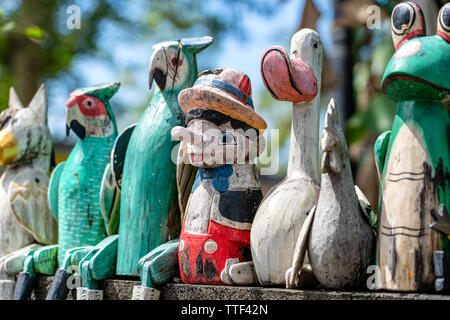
<point>372,50</point>
<point>374,114</point>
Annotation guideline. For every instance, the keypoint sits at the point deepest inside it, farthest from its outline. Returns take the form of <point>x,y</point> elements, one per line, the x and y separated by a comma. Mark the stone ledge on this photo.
<point>122,290</point>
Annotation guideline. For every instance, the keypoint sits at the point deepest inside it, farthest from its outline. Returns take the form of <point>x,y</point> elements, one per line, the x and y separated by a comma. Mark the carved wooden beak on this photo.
<point>158,68</point>
<point>287,79</point>
<point>9,149</point>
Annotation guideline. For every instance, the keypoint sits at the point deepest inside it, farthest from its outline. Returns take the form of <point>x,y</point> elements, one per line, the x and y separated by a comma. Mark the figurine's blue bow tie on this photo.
<point>219,177</point>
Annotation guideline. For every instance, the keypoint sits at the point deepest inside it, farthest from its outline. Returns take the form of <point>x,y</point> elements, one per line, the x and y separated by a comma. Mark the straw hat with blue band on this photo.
<point>227,91</point>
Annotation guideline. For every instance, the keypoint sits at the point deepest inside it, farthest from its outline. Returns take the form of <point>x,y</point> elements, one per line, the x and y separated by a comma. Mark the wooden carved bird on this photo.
<point>74,190</point>
<point>338,237</point>
<point>284,209</point>
<point>149,206</point>
<point>25,218</point>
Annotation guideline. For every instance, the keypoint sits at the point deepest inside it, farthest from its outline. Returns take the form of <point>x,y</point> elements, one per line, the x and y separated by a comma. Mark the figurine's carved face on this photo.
<point>416,70</point>
<point>209,145</point>
<point>23,135</point>
<point>87,116</point>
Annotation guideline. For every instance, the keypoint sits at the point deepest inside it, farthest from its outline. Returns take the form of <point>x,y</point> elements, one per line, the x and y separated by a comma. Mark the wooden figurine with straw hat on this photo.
<point>222,139</point>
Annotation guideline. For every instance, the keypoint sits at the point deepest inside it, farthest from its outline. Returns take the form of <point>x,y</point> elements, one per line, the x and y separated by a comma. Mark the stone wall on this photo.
<point>122,289</point>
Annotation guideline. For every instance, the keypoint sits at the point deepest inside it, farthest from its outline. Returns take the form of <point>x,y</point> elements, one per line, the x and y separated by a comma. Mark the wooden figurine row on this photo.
<point>126,205</point>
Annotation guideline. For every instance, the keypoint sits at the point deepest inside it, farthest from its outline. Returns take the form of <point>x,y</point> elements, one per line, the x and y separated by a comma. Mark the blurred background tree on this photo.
<point>36,45</point>
<point>367,111</point>
<point>115,40</point>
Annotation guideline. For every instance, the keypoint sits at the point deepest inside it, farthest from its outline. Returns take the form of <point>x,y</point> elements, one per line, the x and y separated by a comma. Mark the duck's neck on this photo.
<point>304,145</point>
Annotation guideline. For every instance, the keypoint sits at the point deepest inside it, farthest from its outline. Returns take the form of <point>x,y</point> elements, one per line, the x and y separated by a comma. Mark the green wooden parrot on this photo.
<point>143,166</point>
<point>74,189</point>
<point>413,158</point>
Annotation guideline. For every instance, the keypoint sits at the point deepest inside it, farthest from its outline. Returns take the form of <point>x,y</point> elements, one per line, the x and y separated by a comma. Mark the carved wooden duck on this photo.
<point>25,218</point>
<point>282,212</point>
<point>340,241</point>
<point>413,158</point>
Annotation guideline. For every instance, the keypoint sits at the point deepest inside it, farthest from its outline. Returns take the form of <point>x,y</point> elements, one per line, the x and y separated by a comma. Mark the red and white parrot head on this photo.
<point>89,113</point>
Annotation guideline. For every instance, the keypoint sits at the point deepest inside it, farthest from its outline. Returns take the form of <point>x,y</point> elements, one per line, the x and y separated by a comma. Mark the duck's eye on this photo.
<point>407,22</point>
<point>227,138</point>
<point>443,25</point>
<point>88,104</point>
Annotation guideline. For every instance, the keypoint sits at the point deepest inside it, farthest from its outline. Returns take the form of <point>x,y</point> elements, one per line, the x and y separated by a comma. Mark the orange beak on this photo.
<point>9,149</point>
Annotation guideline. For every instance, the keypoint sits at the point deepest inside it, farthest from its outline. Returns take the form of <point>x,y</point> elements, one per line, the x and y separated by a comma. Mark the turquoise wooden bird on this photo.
<point>142,166</point>
<point>74,190</point>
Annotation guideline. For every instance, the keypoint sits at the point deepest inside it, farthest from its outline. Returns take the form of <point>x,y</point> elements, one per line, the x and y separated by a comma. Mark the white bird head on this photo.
<point>24,134</point>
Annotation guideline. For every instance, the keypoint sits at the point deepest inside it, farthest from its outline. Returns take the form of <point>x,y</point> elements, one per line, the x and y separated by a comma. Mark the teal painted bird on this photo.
<point>74,191</point>
<point>149,208</point>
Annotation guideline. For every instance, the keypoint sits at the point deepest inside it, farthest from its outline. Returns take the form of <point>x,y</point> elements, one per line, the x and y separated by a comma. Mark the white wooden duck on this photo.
<point>338,236</point>
<point>281,214</point>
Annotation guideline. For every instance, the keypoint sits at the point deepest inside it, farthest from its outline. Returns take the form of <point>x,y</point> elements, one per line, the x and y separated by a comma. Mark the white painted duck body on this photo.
<point>282,212</point>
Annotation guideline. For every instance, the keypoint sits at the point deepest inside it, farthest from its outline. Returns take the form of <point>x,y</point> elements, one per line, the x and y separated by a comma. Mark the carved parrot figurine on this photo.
<point>25,218</point>
<point>144,168</point>
<point>413,159</point>
<point>74,190</point>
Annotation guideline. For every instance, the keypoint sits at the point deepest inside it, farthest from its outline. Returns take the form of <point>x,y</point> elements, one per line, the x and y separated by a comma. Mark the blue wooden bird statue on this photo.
<point>74,190</point>
<point>143,168</point>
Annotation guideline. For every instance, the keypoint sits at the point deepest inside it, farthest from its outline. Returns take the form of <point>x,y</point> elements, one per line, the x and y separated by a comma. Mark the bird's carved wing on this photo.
<point>110,201</point>
<point>292,275</point>
<point>119,152</point>
<point>186,174</point>
<point>380,150</point>
<point>29,205</point>
<point>53,187</point>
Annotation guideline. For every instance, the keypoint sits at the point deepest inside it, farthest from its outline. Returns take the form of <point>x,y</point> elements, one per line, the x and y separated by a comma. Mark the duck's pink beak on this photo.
<point>287,79</point>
